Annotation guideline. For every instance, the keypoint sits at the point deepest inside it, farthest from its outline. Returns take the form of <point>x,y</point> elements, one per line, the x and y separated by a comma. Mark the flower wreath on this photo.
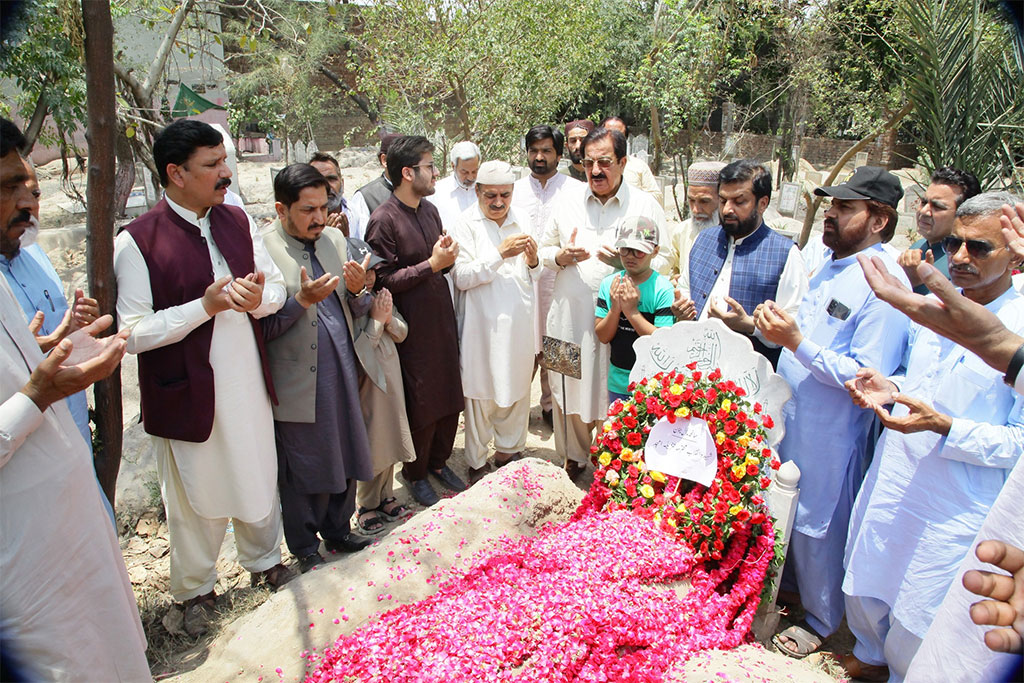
<point>705,517</point>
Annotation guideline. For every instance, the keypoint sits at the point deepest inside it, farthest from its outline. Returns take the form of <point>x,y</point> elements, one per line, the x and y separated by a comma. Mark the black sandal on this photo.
<point>369,521</point>
<point>397,511</point>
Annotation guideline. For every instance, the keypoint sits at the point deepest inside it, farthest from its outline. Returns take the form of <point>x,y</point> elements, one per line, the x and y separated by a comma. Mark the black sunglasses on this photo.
<point>976,248</point>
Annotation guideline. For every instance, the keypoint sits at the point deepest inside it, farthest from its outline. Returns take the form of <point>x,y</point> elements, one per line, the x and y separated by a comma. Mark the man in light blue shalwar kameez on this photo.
<point>841,326</point>
<point>952,439</point>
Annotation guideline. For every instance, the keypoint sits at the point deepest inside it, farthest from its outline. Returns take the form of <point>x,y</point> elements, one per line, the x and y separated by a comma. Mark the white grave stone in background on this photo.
<point>713,345</point>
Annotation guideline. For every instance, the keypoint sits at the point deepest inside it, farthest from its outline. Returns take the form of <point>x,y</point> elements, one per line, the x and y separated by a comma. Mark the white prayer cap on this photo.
<point>463,151</point>
<point>495,172</point>
<point>704,173</point>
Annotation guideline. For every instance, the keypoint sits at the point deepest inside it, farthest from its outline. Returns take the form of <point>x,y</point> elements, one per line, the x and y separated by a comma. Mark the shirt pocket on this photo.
<point>824,333</point>
<point>971,392</point>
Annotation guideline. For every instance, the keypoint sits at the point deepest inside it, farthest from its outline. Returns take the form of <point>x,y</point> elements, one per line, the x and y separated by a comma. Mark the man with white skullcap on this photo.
<point>702,199</point>
<point>495,271</point>
<point>454,193</point>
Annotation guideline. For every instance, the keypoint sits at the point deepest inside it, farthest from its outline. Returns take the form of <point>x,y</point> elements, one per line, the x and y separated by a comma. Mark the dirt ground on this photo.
<point>144,538</point>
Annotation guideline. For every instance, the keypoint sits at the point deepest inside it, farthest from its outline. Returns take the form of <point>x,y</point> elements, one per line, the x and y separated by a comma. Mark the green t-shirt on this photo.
<point>655,305</point>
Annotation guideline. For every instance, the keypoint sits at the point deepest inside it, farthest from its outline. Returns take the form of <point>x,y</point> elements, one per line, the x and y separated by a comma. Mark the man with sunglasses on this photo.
<point>950,442</point>
<point>579,244</point>
<point>935,215</point>
<point>840,327</point>
<point>406,232</point>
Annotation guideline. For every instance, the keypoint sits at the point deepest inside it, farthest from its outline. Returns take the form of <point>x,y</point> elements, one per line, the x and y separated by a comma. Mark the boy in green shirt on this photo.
<point>633,301</point>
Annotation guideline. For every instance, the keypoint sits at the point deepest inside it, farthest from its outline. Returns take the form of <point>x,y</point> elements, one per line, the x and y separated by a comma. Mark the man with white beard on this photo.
<point>702,198</point>
<point>495,269</point>
<point>457,192</point>
<point>537,195</point>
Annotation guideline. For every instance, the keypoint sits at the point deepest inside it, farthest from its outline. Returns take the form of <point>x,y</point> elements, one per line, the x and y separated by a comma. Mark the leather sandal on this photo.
<point>392,509</point>
<point>369,521</point>
<point>806,641</point>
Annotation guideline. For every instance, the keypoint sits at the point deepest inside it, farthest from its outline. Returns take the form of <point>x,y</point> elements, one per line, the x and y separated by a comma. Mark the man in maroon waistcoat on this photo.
<point>406,232</point>
<point>193,280</point>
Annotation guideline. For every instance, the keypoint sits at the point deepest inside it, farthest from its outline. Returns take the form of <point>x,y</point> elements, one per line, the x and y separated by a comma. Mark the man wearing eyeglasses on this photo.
<point>840,327</point>
<point>579,244</point>
<point>950,442</point>
<point>936,212</point>
<point>406,232</point>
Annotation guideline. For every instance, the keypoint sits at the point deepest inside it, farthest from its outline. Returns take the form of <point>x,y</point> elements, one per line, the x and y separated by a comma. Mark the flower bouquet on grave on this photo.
<point>603,596</point>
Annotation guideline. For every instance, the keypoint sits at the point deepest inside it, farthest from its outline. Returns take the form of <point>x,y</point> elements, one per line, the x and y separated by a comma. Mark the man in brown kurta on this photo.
<point>406,232</point>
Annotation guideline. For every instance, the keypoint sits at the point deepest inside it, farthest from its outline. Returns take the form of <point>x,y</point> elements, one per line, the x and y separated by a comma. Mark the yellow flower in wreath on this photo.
<point>657,476</point>
<point>682,411</point>
<point>675,389</point>
<point>604,458</point>
<point>647,491</point>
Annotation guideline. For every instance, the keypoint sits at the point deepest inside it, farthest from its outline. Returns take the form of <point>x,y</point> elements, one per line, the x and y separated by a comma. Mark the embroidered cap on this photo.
<point>704,173</point>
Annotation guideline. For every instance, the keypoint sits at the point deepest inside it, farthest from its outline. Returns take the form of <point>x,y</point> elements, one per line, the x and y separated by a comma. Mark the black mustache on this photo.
<point>222,183</point>
<point>963,268</point>
<point>22,216</point>
<point>829,223</point>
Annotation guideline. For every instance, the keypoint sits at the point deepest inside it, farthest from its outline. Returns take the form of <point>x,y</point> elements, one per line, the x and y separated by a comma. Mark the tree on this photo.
<point>962,66</point>
<point>497,67</point>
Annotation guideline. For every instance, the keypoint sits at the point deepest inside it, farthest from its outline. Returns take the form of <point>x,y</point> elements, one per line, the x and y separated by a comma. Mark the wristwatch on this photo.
<point>1013,369</point>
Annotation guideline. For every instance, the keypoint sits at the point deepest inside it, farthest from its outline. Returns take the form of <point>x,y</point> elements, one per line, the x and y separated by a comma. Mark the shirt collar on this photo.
<point>621,195</point>
<point>739,240</point>
<point>188,214</point>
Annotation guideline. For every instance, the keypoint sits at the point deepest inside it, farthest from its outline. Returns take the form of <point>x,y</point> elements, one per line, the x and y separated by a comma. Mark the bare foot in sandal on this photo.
<point>797,641</point>
<point>369,522</point>
<point>392,509</point>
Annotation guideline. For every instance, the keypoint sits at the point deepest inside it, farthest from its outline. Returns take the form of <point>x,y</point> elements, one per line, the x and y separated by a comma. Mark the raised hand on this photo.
<point>921,418</point>
<point>571,254</point>
<point>870,389</point>
<point>247,292</point>
<point>76,362</point>
<point>1012,222</point>
<point>383,307</point>
<point>735,318</point>
<point>355,274</point>
<point>910,259</point>
<point>444,253</point>
<point>530,251</point>
<point>629,295</point>
<point>339,221</point>
<point>84,310</point>
<point>1005,604</point>
<point>48,341</point>
<point>312,292</point>
<point>776,325</point>
<point>683,308</point>
<point>951,314</point>
<point>513,245</point>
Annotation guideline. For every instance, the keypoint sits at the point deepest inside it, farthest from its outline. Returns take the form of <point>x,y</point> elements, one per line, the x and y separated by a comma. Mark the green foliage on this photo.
<point>961,68</point>
<point>42,54</point>
<point>497,67</point>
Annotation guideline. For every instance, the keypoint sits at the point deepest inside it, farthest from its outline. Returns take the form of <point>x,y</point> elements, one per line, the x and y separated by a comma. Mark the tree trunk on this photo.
<point>35,124</point>
<point>655,140</point>
<point>124,181</point>
<point>812,210</point>
<point>99,73</point>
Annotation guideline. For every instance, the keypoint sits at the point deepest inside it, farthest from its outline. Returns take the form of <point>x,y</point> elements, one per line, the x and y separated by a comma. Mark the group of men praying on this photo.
<point>285,372</point>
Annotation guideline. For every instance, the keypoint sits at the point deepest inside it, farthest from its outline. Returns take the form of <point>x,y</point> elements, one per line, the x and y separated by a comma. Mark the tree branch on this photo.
<point>156,67</point>
<point>812,210</point>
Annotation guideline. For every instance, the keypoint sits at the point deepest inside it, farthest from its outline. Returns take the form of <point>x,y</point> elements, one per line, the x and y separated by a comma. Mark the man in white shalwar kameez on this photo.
<point>537,195</point>
<point>579,246</point>
<point>495,273</point>
<point>946,452</point>
<point>60,619</point>
<point>231,474</point>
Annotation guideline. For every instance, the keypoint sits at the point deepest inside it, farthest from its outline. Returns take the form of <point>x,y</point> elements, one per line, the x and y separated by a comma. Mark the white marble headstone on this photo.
<point>713,345</point>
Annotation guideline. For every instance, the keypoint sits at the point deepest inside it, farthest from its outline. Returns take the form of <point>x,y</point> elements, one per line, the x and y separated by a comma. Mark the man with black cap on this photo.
<point>374,193</point>
<point>840,327</point>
